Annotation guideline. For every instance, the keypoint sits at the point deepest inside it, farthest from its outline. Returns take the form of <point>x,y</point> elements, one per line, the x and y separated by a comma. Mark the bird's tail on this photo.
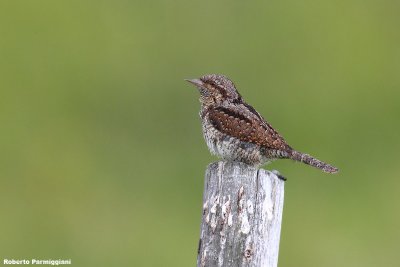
<point>307,159</point>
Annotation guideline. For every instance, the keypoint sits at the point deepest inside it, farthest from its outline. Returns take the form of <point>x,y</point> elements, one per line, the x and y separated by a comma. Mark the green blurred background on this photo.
<point>102,157</point>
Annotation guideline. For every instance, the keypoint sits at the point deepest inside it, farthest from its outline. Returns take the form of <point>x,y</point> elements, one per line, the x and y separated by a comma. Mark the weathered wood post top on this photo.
<point>242,215</point>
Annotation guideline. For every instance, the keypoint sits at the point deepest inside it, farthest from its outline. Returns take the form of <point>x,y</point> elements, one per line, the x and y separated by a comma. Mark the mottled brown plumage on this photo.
<point>235,131</point>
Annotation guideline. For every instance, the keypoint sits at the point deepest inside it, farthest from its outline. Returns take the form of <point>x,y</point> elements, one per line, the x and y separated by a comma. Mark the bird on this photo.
<point>235,131</point>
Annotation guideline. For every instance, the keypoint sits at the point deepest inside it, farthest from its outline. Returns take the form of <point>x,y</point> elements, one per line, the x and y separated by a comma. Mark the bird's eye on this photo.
<point>204,92</point>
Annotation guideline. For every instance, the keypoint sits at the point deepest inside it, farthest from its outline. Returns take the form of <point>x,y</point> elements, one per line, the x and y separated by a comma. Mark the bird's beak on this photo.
<point>196,82</point>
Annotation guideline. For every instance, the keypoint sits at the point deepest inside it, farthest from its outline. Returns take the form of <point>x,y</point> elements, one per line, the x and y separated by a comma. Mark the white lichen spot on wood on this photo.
<point>213,222</point>
<point>240,193</point>
<point>250,207</point>
<point>230,219</point>
<point>268,208</point>
<point>205,206</point>
<point>222,250</point>
<point>223,208</point>
<point>203,258</point>
<point>240,200</point>
<point>226,208</point>
<point>221,258</point>
<point>215,205</point>
<point>245,226</point>
<point>241,205</point>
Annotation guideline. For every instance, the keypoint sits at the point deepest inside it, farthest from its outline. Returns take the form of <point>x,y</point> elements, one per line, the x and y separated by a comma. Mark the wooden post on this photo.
<point>242,214</point>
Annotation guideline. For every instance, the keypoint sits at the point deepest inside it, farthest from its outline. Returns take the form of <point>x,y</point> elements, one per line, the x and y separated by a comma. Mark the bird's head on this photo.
<point>215,89</point>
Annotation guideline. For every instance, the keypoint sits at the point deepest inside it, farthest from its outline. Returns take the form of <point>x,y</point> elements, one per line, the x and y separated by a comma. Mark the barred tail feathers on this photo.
<point>309,160</point>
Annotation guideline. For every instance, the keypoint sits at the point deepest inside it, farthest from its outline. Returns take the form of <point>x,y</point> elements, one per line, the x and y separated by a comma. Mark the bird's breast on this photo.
<point>229,147</point>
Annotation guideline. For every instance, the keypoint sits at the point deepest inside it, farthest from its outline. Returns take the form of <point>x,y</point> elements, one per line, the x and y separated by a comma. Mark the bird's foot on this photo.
<point>280,177</point>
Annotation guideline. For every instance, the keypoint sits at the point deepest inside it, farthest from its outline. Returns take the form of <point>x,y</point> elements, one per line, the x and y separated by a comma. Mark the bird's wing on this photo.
<point>242,121</point>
